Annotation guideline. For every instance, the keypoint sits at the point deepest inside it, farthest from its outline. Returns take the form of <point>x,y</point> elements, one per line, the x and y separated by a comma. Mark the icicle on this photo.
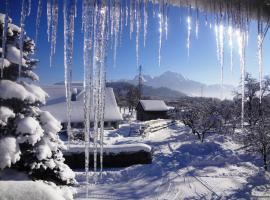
<point>145,21</point>
<point>131,18</point>
<point>39,11</point>
<point>161,23</point>
<point>29,7</point>
<point>22,24</point>
<point>189,21</point>
<point>241,38</point>
<point>49,19</point>
<point>116,19</point>
<point>138,24</point>
<point>126,15</point>
<point>4,37</point>
<point>87,25</point>
<point>221,54</point>
<point>260,42</point>
<point>166,21</point>
<point>197,24</point>
<point>54,25</point>
<point>69,14</point>
<point>189,27</point>
<point>100,44</point>
<point>230,35</point>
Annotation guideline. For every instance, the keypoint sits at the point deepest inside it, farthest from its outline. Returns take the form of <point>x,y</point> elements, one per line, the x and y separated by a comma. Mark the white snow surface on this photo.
<point>154,105</point>
<point>30,130</point>
<point>29,92</point>
<point>6,62</point>
<point>113,149</point>
<point>182,168</point>
<point>13,55</point>
<point>5,114</point>
<point>34,190</point>
<point>9,152</point>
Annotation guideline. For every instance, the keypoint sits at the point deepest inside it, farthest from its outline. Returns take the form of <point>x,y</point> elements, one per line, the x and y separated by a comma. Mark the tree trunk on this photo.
<point>265,161</point>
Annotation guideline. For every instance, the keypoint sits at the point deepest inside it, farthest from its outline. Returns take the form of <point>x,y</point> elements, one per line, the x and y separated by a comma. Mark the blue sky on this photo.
<point>201,65</point>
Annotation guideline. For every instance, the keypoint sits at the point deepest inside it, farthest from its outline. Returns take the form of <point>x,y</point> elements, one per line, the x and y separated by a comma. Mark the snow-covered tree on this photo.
<point>28,135</point>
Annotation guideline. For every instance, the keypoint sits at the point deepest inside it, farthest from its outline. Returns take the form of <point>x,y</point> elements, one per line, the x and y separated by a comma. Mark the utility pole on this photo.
<point>140,84</point>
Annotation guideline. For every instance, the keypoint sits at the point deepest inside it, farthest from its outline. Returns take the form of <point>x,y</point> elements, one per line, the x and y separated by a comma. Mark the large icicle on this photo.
<point>189,27</point>
<point>4,36</point>
<point>145,21</point>
<point>39,12</point>
<point>49,19</point>
<point>161,25</point>
<point>131,18</point>
<point>54,25</point>
<point>241,38</point>
<point>69,15</point>
<point>138,25</point>
<point>230,38</point>
<point>87,26</point>
<point>24,12</point>
<point>260,43</point>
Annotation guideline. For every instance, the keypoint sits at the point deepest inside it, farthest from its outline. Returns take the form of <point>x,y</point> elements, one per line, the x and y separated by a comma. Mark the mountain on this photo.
<point>162,93</point>
<point>177,82</point>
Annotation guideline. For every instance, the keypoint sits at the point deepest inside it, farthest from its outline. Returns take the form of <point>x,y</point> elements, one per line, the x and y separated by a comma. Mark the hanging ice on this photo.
<point>161,25</point>
<point>241,39</point>
<point>4,36</point>
<point>230,38</point>
<point>219,29</point>
<point>145,21</point>
<point>54,25</point>
<point>131,18</point>
<point>22,24</point>
<point>49,19</point>
<point>69,15</point>
<point>39,11</point>
<point>189,26</point>
<point>138,24</point>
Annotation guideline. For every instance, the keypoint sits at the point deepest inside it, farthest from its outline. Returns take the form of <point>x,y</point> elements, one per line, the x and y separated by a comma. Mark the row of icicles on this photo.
<point>103,23</point>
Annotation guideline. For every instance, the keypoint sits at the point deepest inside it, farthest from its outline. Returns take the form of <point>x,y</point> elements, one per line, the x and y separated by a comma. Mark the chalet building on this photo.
<point>151,109</point>
<point>56,105</point>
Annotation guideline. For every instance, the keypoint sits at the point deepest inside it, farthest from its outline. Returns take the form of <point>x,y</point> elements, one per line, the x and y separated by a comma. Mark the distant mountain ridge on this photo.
<point>177,82</point>
<point>149,92</point>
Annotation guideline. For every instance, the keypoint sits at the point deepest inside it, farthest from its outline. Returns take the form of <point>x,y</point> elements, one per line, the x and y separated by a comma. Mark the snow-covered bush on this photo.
<point>28,135</point>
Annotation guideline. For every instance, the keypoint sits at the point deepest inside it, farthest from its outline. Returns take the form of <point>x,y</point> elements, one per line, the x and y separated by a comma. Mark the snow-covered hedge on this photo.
<point>32,190</point>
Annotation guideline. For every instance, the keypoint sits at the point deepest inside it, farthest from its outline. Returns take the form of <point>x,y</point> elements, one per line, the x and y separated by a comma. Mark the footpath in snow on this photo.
<point>182,168</point>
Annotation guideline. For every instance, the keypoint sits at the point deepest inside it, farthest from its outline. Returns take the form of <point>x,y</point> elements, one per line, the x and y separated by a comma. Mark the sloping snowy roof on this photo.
<point>154,105</point>
<point>56,105</point>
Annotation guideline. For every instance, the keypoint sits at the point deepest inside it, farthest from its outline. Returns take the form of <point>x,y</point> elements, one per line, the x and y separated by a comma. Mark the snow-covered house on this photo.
<point>151,109</point>
<point>56,104</point>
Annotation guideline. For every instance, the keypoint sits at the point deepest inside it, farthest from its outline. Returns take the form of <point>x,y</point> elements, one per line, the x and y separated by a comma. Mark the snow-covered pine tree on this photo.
<point>28,135</point>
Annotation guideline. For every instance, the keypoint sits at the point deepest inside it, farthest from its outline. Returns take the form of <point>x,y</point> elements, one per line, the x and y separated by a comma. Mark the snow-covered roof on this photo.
<point>56,105</point>
<point>154,105</point>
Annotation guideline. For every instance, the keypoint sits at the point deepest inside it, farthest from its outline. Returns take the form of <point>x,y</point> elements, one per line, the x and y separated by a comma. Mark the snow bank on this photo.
<point>30,130</point>
<point>9,152</point>
<point>6,62</point>
<point>38,190</point>
<point>32,93</point>
<point>5,114</point>
<point>13,55</point>
<point>39,93</point>
<point>113,149</point>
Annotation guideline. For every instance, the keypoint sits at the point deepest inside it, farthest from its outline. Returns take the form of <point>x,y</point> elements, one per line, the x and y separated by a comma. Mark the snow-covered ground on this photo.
<point>182,168</point>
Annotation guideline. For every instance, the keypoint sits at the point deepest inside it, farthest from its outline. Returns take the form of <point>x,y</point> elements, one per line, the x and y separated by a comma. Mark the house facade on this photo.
<point>56,105</point>
<point>151,109</point>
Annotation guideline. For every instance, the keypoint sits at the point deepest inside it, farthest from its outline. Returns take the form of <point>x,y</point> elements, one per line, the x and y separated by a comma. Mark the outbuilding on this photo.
<point>151,109</point>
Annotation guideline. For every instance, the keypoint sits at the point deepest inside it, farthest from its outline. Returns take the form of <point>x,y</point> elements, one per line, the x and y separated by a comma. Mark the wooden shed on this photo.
<point>151,109</point>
